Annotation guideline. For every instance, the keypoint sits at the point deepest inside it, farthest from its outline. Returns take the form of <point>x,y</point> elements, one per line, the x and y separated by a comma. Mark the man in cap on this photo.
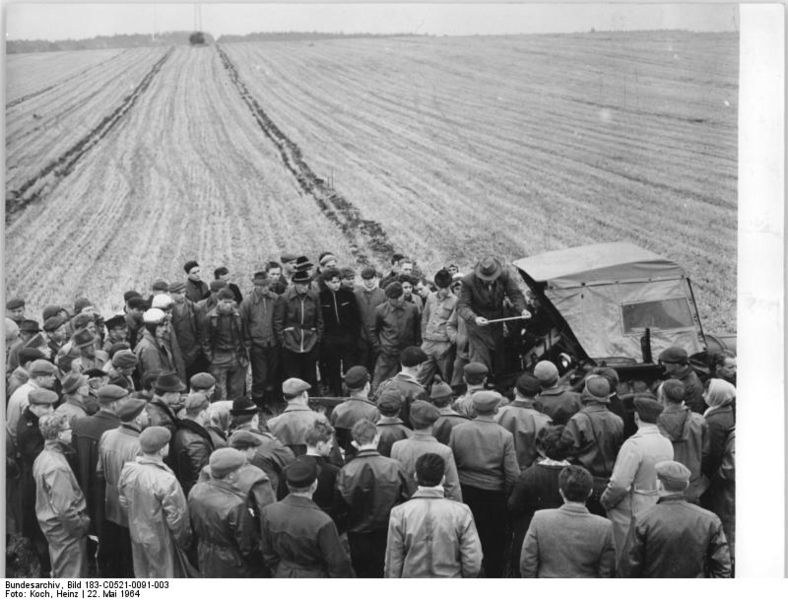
<point>554,400</point>
<point>223,345</point>
<point>395,328</point>
<point>423,416</point>
<point>208,304</point>
<point>688,433</point>
<point>594,435</point>
<point>288,260</point>
<point>41,374</point>
<point>633,483</point>
<point>675,362</point>
<point>396,269</point>
<point>522,420</point>
<point>154,351</point>
<point>368,297</point>
<point>117,331</point>
<point>15,310</point>
<point>135,308</point>
<point>487,468</point>
<point>156,507</point>
<point>117,447</point>
<point>122,368</point>
<point>319,447</point>
<point>225,531</point>
<point>203,383</point>
<point>76,392</point>
<point>348,277</point>
<point>30,443</point>
<point>59,503</point>
<point>291,426</point>
<point>27,329</point>
<point>408,285</point>
<point>298,325</point>
<point>407,380</point>
<point>369,486</point>
<point>223,273</point>
<point>56,332</point>
<point>219,423</point>
<point>356,407</point>
<point>675,538</point>
<point>185,320</point>
<point>302,265</point>
<point>271,456</point>
<point>257,316</point>
<point>196,288</point>
<point>481,300</point>
<point>251,480</point>
<point>390,426</point>
<point>474,375</point>
<point>167,401</point>
<point>87,432</point>
<point>21,375</point>
<point>191,444</point>
<point>441,396</point>
<point>569,541</point>
<point>429,535</point>
<point>342,327</point>
<point>436,342</point>
<point>299,539</point>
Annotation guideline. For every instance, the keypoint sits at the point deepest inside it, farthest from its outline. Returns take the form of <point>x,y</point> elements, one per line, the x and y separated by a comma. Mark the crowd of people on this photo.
<point>181,438</point>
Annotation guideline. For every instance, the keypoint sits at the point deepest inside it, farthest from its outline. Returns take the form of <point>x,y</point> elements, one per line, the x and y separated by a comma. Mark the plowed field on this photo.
<point>444,148</point>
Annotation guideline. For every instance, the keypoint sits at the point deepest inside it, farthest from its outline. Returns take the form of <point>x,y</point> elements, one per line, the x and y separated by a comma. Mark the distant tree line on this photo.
<point>290,36</point>
<point>135,40</point>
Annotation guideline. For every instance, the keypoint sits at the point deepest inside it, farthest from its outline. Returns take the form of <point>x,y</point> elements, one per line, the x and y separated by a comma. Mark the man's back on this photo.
<point>408,451</point>
<point>686,430</point>
<point>484,453</point>
<point>431,536</point>
<point>595,435</point>
<point>558,404</point>
<point>116,448</point>
<point>675,538</point>
<point>524,423</point>
<point>568,542</point>
<point>446,422</point>
<point>391,430</point>
<point>292,425</point>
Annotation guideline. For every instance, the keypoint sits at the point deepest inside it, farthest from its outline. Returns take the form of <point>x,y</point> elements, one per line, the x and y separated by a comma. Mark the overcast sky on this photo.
<point>26,20</point>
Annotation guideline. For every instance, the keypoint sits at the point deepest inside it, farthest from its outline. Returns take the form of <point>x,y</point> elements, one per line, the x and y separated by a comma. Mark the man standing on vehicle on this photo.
<point>481,300</point>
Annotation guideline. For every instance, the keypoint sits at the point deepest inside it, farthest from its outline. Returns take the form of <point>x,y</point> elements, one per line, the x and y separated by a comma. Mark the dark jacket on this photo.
<point>524,422</point>
<point>559,404</point>
<point>368,301</point>
<point>718,422</point>
<point>693,390</point>
<point>185,324</point>
<point>153,355</point>
<point>484,452</point>
<point>411,390</point>
<point>196,291</point>
<point>190,449</point>
<point>594,436</point>
<point>222,333</point>
<point>341,317</point>
<point>224,528</point>
<point>687,431</point>
<point>161,414</point>
<point>449,419</point>
<point>272,456</point>
<point>395,328</point>
<point>325,495</point>
<point>476,299</point>
<point>257,315</point>
<point>390,430</point>
<point>298,321</point>
<point>675,538</point>
<point>30,443</point>
<point>369,486</point>
<point>85,436</point>
<point>347,414</point>
<point>300,540</point>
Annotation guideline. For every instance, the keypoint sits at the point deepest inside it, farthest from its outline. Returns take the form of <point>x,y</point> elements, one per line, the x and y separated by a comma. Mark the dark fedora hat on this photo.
<point>169,382</point>
<point>244,406</point>
<point>488,268</point>
<point>302,264</point>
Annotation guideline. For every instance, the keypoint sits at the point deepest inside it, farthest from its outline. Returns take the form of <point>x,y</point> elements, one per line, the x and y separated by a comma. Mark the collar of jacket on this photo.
<point>574,508</point>
<point>594,406</point>
<point>448,410</point>
<point>79,403</point>
<point>384,420</point>
<point>429,492</point>
<point>195,427</point>
<point>522,403</point>
<point>154,462</point>
<point>165,407</point>
<point>56,446</point>
<point>671,497</point>
<point>647,429</point>
<point>130,429</point>
<point>224,485</point>
<point>300,501</point>
<point>366,454</point>
<point>362,400</point>
<point>549,462</point>
<point>258,296</point>
<point>420,435</point>
<point>214,312</point>
<point>486,418</point>
<point>296,408</point>
<point>217,431</point>
<point>291,293</point>
<point>672,407</point>
<point>406,377</point>
<point>553,391</point>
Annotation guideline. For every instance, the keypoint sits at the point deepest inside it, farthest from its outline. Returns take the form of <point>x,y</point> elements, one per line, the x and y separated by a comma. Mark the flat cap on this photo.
<point>394,290</point>
<point>153,439</point>
<point>81,304</point>
<point>161,301</point>
<point>527,385</point>
<point>41,367</point>
<point>217,284</point>
<point>368,273</point>
<point>82,338</point>
<point>294,386</point>
<point>485,400</point>
<point>72,382</point>
<point>674,355</point>
<point>117,320</point>
<point>117,347</point>
<point>153,316</point>
<point>648,409</point>
<point>242,439</point>
<point>545,371</point>
<point>196,402</point>
<point>423,414</point>
<point>412,356</point>
<point>160,285</point>
<point>440,390</point>
<point>475,369</point>
<point>111,393</point>
<point>225,294</point>
<point>302,472</point>
<point>26,354</point>
<point>41,396</point>
<point>29,326</point>
<point>123,359</point>
<point>51,310</point>
<point>326,258</point>
<point>224,461</point>
<point>390,400</point>
<point>673,475</point>
<point>598,388</point>
<point>14,303</point>
<point>287,257</point>
<point>82,320</point>
<point>202,381</point>
<point>169,382</point>
<point>53,323</point>
<point>356,377</point>
<point>177,287</point>
<point>130,408</point>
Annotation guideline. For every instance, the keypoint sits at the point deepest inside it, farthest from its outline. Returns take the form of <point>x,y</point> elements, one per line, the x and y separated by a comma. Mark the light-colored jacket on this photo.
<point>409,450</point>
<point>431,536</point>
<point>524,422</point>
<point>633,483</point>
<point>16,406</point>
<point>158,516</point>
<point>435,317</point>
<point>116,448</point>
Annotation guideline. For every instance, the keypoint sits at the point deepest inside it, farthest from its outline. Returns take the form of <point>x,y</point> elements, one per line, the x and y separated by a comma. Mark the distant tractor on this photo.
<point>197,39</point>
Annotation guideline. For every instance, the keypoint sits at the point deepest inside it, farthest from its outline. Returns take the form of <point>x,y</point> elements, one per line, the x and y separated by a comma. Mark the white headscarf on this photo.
<point>721,393</point>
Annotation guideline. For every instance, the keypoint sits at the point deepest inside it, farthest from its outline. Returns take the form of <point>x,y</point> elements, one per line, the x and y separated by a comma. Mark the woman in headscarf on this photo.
<point>720,420</point>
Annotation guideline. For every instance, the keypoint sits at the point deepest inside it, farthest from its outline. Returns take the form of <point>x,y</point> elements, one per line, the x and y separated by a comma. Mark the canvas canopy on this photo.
<point>609,293</point>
